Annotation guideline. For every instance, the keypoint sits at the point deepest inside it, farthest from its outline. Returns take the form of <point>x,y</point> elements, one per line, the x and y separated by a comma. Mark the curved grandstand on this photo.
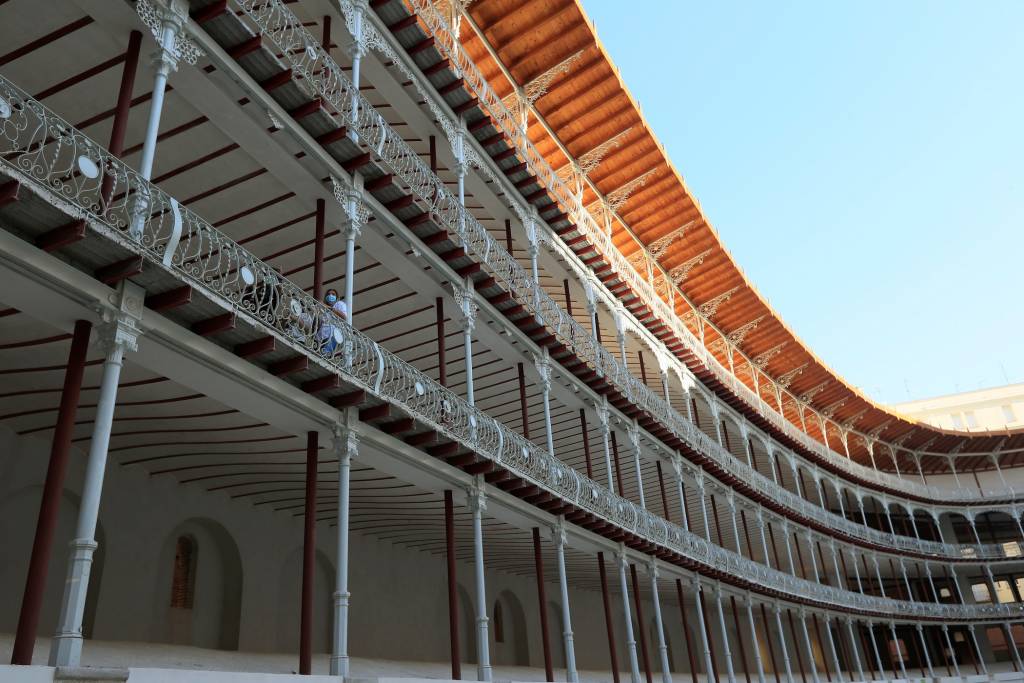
<point>401,304</point>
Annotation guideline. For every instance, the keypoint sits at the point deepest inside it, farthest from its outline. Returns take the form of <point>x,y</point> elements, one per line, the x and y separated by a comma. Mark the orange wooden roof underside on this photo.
<point>589,105</point>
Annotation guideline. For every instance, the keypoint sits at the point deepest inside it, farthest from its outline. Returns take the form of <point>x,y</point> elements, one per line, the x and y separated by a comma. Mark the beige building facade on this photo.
<point>982,410</point>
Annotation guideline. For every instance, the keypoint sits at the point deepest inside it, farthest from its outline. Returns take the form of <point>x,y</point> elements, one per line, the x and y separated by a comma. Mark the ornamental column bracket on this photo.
<point>466,305</point>
<point>119,326</point>
<point>542,362</point>
<point>350,197</point>
<point>165,19</point>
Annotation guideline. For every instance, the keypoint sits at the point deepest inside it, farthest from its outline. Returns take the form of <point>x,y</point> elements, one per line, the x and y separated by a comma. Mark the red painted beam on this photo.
<point>465,106</point>
<point>61,236</point>
<point>435,68</point>
<point>457,84</point>
<point>277,80</point>
<point>321,384</point>
<point>289,366</point>
<point>501,156</point>
<point>218,323</point>
<point>375,412</point>
<point>421,439</point>
<point>354,164</point>
<point>421,46</point>
<point>471,269</point>
<point>9,192</point>
<point>402,23</point>
<point>119,270</point>
<point>172,298</point>
<point>332,136</point>
<point>210,12</point>
<point>304,110</point>
<point>398,426</point>
<point>417,220</point>
<point>378,183</point>
<point>256,347</point>
<point>493,140</point>
<point>400,203</point>
<point>246,47</point>
<point>481,122</point>
<point>353,398</point>
<point>439,236</point>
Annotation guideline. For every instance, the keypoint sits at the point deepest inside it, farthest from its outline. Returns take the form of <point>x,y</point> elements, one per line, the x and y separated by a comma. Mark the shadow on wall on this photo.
<point>18,515</point>
<point>198,588</point>
<point>290,603</point>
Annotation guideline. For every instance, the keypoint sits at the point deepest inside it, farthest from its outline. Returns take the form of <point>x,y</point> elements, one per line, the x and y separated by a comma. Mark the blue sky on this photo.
<point>863,162</point>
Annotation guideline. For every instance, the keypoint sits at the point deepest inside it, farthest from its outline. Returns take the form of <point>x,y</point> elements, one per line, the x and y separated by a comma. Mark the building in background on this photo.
<point>993,409</point>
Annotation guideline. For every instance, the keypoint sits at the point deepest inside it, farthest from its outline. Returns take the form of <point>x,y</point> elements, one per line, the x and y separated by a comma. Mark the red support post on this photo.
<point>586,443</point>
<point>318,250</point>
<point>308,557</point>
<point>442,367</point>
<point>608,618</point>
<point>522,401</point>
<point>453,601</point>
<point>686,630</point>
<point>538,560</point>
<point>124,102</point>
<point>49,506</point>
<point>640,625</point>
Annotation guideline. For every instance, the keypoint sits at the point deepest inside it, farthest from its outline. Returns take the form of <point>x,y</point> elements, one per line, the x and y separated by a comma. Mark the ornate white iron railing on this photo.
<point>324,79</point>
<point>509,123</point>
<point>70,171</point>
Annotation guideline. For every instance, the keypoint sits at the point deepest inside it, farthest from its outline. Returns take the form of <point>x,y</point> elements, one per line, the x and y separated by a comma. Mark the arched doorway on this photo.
<point>509,623</point>
<point>199,587</point>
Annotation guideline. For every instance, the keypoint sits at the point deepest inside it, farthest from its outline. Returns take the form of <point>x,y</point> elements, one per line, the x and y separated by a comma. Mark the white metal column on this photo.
<point>634,664</point>
<point>666,672</point>
<point>119,333</point>
<point>478,504</point>
<point>559,537</point>
<point>346,447</point>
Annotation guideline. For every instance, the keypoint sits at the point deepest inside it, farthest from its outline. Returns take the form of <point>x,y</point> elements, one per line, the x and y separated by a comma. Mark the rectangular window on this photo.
<point>981,594</point>
<point>958,422</point>
<point>1003,592</point>
<point>972,421</point>
<point>1020,585</point>
<point>1008,414</point>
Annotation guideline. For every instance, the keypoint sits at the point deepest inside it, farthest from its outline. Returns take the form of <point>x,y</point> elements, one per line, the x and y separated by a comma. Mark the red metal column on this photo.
<point>46,525</point>
<point>442,368</point>
<point>586,443</point>
<point>618,468</point>
<point>453,602</point>
<point>768,641</point>
<point>739,637</point>
<point>542,598</point>
<point>664,498</point>
<point>121,109</point>
<point>608,618</point>
<point>522,401</point>
<point>318,251</point>
<point>568,299</point>
<point>686,630</point>
<point>308,557</point>
<point>641,627</point>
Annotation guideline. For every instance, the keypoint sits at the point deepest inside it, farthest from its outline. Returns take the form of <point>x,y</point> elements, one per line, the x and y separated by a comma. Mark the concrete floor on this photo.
<point>182,657</point>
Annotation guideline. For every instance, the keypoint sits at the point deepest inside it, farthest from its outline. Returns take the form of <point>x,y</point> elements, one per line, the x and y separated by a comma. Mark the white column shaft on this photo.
<point>66,648</point>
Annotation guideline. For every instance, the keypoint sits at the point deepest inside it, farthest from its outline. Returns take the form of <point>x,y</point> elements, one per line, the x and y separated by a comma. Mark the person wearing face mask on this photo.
<point>338,307</point>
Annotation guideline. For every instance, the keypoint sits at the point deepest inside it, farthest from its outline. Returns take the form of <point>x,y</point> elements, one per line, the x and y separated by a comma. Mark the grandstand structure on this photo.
<point>551,431</point>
